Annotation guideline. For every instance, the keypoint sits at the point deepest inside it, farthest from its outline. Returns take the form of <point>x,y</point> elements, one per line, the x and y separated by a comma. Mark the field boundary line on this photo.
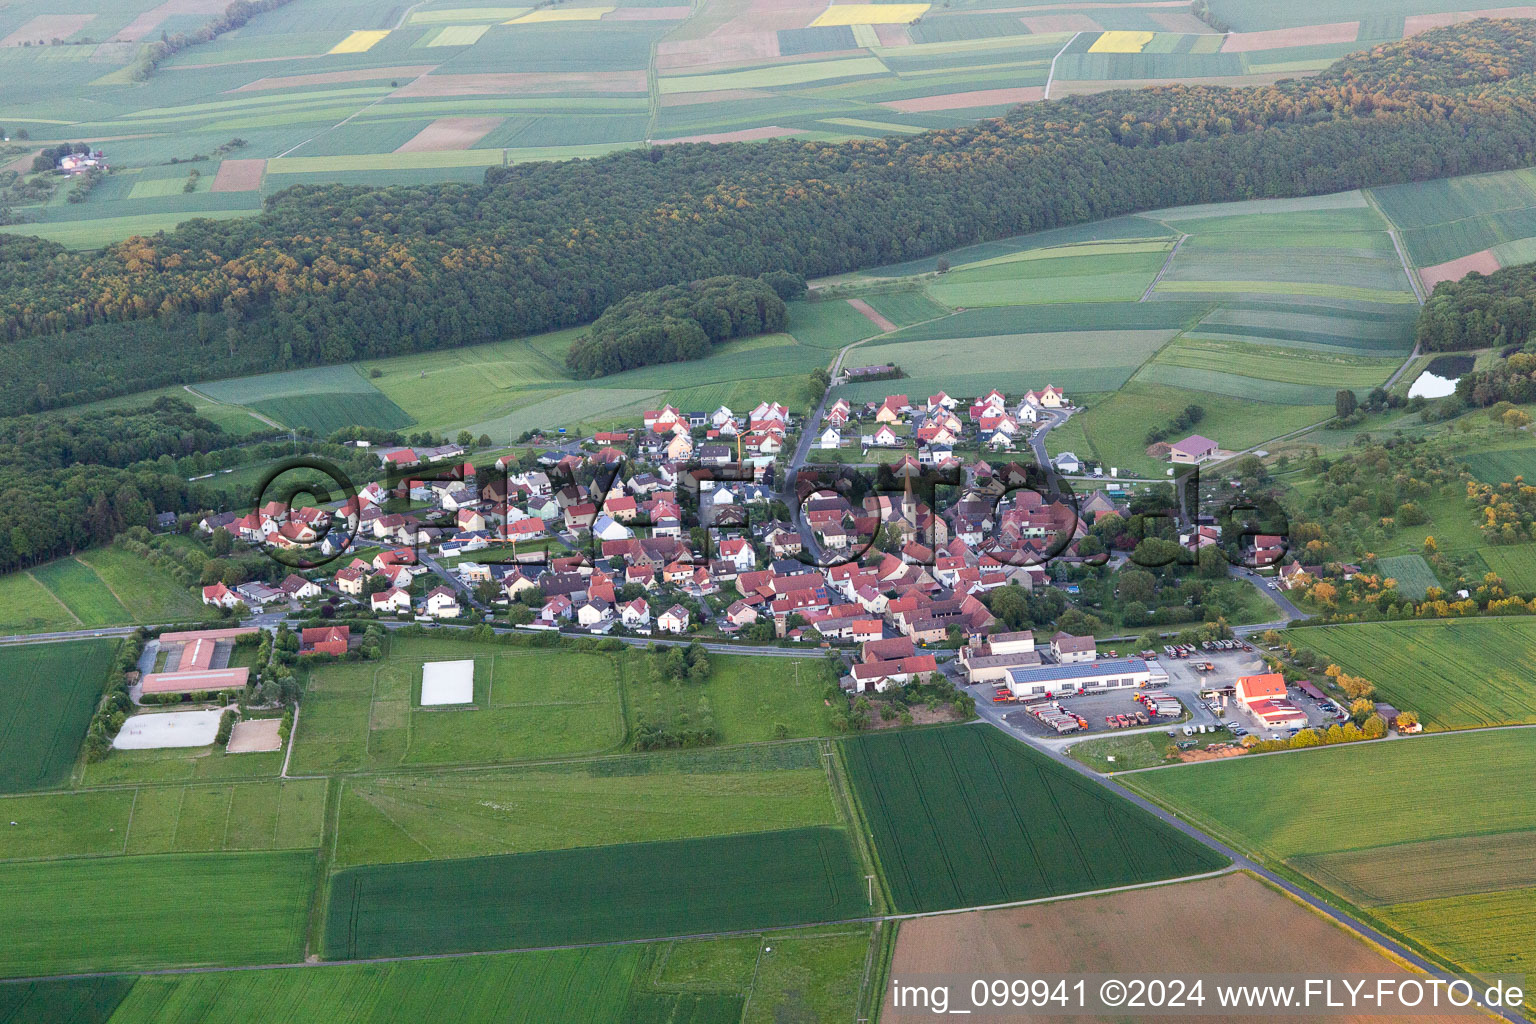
<point>757,966</point>
<point>1051,77</point>
<point>57,599</point>
<point>128,829</point>
<point>229,811</point>
<point>293,732</point>
<point>1413,275</point>
<point>1167,262</point>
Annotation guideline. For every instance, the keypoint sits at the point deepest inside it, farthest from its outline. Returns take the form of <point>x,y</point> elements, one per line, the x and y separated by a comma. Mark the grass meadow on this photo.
<point>130,821</point>
<point>747,699</point>
<point>528,704</point>
<point>964,816</point>
<point>639,798</point>
<point>98,587</point>
<point>48,693</point>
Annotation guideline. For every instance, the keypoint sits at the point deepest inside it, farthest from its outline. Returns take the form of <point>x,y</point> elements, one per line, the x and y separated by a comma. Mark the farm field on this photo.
<point>1502,465</point>
<point>523,988</point>
<point>1423,666</point>
<point>78,588</point>
<point>753,977</point>
<point>49,694</point>
<point>149,594</point>
<point>167,910</point>
<point>529,703</point>
<point>247,816</point>
<point>638,798</point>
<point>1009,826</point>
<point>1204,926</point>
<point>1453,883</point>
<point>320,400</point>
<point>537,899</point>
<point>1515,564</point>
<point>1488,215</point>
<point>1413,574</point>
<point>180,764</point>
<point>352,94</point>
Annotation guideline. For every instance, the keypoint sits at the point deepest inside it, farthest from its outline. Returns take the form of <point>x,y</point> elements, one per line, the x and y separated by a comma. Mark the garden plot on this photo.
<point>169,729</point>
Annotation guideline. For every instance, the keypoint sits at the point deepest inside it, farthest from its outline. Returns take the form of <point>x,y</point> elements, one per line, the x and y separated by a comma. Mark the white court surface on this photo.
<point>169,729</point>
<point>447,682</point>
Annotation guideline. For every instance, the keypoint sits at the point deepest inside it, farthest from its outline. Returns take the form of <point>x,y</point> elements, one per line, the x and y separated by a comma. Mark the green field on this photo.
<point>149,594</point>
<point>528,704</point>
<point>1449,218</point>
<point>79,589</point>
<point>634,799</point>
<point>320,400</point>
<point>76,1001</point>
<point>70,916</point>
<point>246,816</point>
<point>1456,884</point>
<point>534,899</point>
<point>49,694</point>
<point>1413,574</point>
<point>1115,426</point>
<point>98,587</point>
<point>1503,466</point>
<point>520,988</point>
<point>746,698</point>
<point>1515,564</point>
<point>964,816</point>
<point>1423,666</point>
<point>830,324</point>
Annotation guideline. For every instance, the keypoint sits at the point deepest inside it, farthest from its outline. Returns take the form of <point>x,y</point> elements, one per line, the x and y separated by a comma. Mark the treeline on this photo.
<point>1187,418</point>
<point>331,273</point>
<point>676,323</point>
<point>68,483</point>
<point>1481,311</point>
<point>233,17</point>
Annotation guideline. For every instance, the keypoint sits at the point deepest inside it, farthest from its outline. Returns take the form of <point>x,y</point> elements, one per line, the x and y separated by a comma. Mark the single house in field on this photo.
<point>1192,449</point>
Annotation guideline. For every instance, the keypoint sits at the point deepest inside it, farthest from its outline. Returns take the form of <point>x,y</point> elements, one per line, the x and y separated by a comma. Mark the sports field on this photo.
<point>536,899</point>
<point>529,703</point>
<point>593,803</point>
<point>1455,883</point>
<point>48,693</point>
<point>70,916</point>
<point>964,816</point>
<point>1423,666</point>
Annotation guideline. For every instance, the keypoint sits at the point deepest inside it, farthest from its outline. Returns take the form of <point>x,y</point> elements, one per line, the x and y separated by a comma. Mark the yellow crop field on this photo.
<point>1120,42</point>
<point>360,41</point>
<point>874,14</point>
<point>561,14</point>
<point>458,35</point>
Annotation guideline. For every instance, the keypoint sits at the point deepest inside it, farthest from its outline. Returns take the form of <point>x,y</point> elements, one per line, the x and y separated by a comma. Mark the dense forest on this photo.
<point>675,323</point>
<point>332,273</point>
<point>67,483</point>
<point>1481,311</point>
